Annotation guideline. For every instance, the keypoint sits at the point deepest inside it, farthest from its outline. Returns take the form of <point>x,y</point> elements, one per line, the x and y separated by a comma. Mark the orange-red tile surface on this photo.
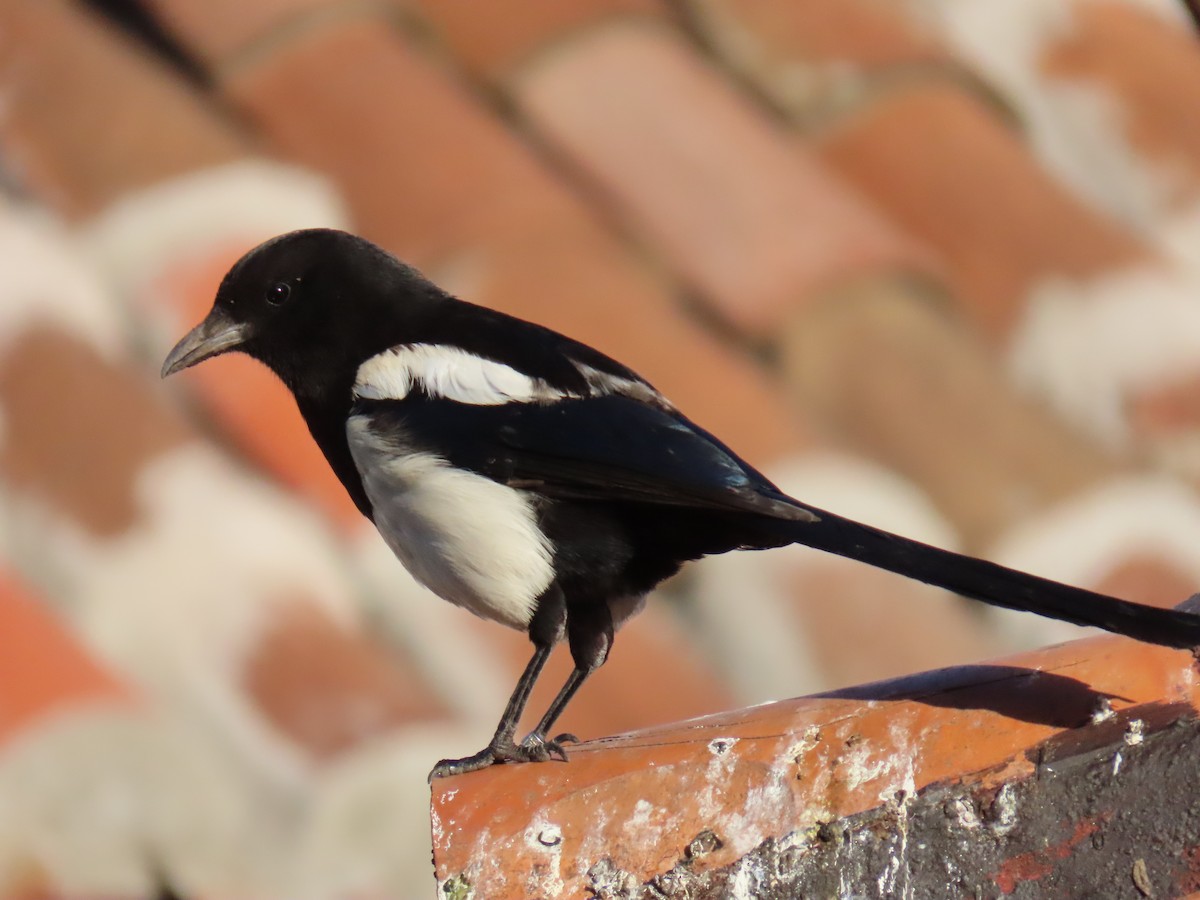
<point>1166,410</point>
<point>905,383</point>
<point>216,30</point>
<point>922,155</point>
<point>770,770</point>
<point>60,396</point>
<point>80,96</point>
<point>493,40</point>
<point>867,35</point>
<point>329,688</point>
<point>702,176</point>
<point>1134,54</point>
<point>43,669</point>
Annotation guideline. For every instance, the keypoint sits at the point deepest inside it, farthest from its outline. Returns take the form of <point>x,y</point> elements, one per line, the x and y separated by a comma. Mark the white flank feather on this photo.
<point>470,540</point>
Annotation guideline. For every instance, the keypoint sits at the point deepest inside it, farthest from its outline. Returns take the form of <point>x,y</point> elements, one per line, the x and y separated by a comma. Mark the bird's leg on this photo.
<point>501,747</point>
<point>590,631</point>
<point>537,737</point>
<point>545,630</point>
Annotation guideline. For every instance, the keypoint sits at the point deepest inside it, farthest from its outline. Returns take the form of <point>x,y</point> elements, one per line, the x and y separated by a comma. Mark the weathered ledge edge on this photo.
<point>1073,765</point>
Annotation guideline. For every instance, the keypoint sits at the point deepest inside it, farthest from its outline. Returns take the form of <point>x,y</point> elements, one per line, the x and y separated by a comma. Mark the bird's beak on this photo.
<point>216,334</point>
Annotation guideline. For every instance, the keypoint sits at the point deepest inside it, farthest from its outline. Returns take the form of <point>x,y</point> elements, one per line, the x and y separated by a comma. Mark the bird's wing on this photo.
<point>614,448</point>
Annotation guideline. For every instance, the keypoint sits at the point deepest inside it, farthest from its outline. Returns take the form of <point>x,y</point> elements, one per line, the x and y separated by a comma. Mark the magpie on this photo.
<point>531,479</point>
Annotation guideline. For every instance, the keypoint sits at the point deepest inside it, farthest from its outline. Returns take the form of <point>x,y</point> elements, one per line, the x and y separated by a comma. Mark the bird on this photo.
<point>534,481</point>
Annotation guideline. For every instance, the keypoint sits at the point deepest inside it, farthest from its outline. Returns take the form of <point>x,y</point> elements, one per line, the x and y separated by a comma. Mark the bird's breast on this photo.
<point>472,541</point>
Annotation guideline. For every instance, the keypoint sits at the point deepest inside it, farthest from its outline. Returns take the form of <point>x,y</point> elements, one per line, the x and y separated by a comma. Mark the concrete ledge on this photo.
<point>1072,769</point>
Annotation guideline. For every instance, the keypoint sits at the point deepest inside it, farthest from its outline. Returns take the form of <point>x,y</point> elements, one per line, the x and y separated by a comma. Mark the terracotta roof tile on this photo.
<point>859,32</point>
<point>1152,68</point>
<point>778,769</point>
<point>1115,356</point>
<point>818,58</point>
<point>920,154</point>
<point>43,668</point>
<point>330,688</point>
<point>57,698</point>
<point>40,455</point>
<point>461,176</point>
<point>917,626</point>
<point>493,40</point>
<point>874,361</point>
<point>168,133</point>
<point>1092,83</point>
<point>221,29</point>
<point>1147,578</point>
<point>1165,417</point>
<point>1099,88</point>
<point>64,135</point>
<point>701,176</point>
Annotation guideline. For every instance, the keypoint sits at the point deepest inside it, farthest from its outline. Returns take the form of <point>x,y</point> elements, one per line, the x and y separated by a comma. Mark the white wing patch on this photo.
<point>602,384</point>
<point>448,373</point>
<point>451,373</point>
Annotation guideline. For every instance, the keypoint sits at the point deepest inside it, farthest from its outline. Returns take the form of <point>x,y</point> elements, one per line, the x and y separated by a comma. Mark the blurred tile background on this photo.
<point>934,264</point>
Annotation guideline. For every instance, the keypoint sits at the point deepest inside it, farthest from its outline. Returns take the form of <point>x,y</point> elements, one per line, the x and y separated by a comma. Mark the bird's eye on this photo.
<point>278,293</point>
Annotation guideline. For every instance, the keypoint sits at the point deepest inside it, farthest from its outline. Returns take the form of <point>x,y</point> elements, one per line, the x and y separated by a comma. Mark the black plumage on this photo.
<point>529,477</point>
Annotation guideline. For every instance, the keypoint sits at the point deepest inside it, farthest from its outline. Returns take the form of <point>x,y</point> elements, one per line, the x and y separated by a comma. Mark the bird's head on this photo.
<point>310,304</point>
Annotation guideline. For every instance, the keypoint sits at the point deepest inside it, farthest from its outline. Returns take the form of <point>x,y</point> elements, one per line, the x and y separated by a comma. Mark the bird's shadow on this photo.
<point>1029,695</point>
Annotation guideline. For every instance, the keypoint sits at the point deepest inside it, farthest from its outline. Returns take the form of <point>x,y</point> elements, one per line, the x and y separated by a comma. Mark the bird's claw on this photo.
<point>448,767</point>
<point>544,749</point>
<point>534,748</point>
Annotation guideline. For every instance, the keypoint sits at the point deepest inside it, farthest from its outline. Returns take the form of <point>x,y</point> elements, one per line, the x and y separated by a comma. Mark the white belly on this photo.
<point>470,540</point>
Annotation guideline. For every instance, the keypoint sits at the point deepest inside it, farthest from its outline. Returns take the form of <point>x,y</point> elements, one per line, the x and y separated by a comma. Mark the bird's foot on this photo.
<point>537,745</point>
<point>534,748</point>
<point>481,760</point>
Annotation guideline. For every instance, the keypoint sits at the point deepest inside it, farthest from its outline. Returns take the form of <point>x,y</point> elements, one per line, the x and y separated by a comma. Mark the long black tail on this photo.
<point>992,583</point>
